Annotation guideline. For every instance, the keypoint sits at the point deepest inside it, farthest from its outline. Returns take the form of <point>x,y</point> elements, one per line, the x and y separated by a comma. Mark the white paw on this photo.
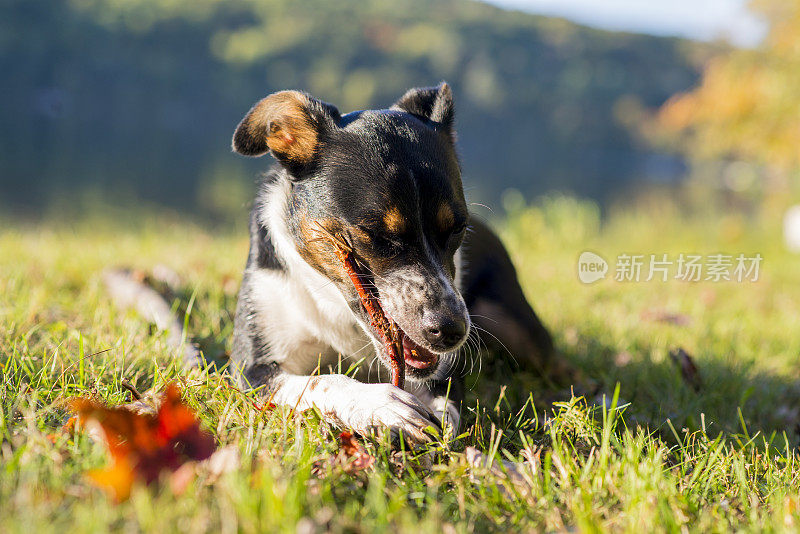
<point>384,405</point>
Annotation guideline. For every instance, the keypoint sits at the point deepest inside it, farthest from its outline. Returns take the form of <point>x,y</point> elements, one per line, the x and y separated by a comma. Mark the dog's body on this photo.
<point>388,183</point>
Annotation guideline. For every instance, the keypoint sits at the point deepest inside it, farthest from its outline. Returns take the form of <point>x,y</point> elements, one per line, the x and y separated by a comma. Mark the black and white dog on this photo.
<point>389,182</point>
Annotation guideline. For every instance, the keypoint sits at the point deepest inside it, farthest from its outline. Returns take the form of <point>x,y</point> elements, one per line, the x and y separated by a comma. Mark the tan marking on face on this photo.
<point>359,233</point>
<point>445,217</point>
<point>364,253</point>
<point>316,248</point>
<point>394,220</point>
<point>283,118</point>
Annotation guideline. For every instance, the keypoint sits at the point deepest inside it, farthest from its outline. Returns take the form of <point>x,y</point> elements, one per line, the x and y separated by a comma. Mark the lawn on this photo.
<point>640,443</point>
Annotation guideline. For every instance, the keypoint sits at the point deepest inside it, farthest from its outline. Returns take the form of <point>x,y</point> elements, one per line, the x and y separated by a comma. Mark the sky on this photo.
<point>695,19</point>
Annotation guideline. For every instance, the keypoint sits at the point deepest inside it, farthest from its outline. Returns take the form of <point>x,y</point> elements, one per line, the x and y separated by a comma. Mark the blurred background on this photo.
<point>132,102</point>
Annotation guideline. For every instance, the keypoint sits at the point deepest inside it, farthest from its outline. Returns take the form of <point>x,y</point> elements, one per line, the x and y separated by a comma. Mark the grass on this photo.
<point>632,447</point>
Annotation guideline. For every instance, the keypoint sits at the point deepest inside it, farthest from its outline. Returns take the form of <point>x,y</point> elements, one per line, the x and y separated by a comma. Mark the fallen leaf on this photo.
<point>663,316</point>
<point>67,428</point>
<point>361,459</point>
<point>401,460</point>
<point>117,479</point>
<point>142,445</point>
<point>688,369</point>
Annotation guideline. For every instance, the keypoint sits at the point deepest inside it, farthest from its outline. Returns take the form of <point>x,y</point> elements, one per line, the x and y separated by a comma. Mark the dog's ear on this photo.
<point>290,124</point>
<point>432,103</point>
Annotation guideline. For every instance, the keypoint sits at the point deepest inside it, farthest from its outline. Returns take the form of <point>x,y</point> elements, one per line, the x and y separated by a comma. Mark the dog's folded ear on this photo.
<point>432,103</point>
<point>290,124</point>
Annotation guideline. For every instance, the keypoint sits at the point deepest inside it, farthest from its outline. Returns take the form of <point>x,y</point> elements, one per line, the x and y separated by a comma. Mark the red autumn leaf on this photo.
<point>353,449</point>
<point>67,428</point>
<point>144,445</point>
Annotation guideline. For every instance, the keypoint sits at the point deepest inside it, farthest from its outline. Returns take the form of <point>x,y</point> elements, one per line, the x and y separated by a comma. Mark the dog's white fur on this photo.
<point>307,323</point>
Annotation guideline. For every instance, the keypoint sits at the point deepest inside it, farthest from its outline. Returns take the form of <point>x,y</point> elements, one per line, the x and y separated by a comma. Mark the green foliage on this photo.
<point>746,105</point>
<point>140,97</point>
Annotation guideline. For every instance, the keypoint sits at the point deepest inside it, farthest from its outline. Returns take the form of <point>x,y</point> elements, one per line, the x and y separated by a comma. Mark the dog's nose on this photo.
<point>444,332</point>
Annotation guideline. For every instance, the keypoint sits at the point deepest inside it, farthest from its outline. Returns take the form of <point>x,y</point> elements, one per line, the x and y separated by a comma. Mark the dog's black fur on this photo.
<point>389,182</point>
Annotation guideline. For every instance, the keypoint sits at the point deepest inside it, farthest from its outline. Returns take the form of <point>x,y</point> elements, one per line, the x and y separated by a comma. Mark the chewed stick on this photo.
<point>386,328</point>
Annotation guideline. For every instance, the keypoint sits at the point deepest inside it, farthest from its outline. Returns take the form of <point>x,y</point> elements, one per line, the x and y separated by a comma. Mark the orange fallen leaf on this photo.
<point>117,479</point>
<point>143,445</point>
<point>353,449</point>
<point>66,428</point>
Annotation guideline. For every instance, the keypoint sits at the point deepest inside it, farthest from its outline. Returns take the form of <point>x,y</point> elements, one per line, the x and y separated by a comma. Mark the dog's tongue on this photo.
<point>416,356</point>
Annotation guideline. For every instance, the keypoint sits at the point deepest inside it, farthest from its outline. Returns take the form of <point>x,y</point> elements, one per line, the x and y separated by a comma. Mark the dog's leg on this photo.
<point>346,402</point>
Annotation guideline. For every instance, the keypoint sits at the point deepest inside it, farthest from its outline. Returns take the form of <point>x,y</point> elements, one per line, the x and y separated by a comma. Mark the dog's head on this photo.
<point>388,182</point>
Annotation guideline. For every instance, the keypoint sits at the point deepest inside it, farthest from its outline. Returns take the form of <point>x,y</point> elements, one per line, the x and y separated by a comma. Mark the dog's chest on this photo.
<point>306,321</point>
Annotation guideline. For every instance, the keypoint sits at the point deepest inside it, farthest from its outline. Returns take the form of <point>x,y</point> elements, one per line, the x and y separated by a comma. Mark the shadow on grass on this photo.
<point>733,398</point>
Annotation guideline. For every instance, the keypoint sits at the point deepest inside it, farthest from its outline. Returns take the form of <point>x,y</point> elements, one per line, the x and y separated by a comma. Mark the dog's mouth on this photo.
<point>417,358</point>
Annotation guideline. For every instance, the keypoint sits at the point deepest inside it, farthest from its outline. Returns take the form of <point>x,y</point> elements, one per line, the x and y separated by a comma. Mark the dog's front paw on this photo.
<point>384,405</point>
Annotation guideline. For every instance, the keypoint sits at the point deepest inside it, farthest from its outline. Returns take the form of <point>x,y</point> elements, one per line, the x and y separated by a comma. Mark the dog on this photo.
<point>389,182</point>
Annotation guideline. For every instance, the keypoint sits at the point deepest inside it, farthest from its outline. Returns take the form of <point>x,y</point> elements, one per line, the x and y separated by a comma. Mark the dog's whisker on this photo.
<point>368,344</point>
<point>513,358</point>
<point>478,204</point>
<point>468,345</point>
<point>474,338</point>
<point>323,286</point>
<point>472,315</point>
<point>372,273</point>
<point>470,361</point>
<point>371,363</point>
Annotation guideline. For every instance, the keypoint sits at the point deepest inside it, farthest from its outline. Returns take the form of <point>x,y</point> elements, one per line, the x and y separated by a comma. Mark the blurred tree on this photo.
<point>748,103</point>
<point>140,97</point>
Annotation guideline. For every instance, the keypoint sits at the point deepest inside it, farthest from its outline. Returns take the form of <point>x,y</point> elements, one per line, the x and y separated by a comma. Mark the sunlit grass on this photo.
<point>653,455</point>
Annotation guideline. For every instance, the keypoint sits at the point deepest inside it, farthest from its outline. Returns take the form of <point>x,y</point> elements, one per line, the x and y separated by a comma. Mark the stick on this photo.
<point>386,328</point>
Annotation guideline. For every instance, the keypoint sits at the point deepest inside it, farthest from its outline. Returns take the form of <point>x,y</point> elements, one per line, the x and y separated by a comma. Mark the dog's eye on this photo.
<point>385,245</point>
<point>454,235</point>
